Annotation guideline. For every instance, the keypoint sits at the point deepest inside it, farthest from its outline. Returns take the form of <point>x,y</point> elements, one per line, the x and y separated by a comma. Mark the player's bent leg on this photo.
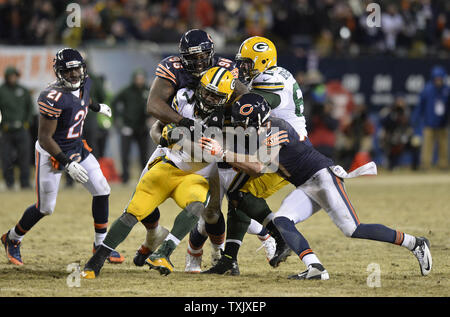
<point>183,224</point>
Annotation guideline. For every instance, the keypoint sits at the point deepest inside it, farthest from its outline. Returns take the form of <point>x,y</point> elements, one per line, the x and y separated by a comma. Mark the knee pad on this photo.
<point>128,219</point>
<point>196,208</point>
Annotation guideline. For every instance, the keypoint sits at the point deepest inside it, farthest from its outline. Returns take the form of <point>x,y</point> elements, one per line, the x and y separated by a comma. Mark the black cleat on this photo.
<point>225,266</point>
<point>281,253</point>
<point>92,268</point>
<point>141,255</point>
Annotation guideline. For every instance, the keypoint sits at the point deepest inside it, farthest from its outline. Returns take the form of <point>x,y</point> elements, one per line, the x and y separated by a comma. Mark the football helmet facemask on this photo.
<point>215,89</point>
<point>69,68</point>
<point>196,51</point>
<point>255,55</point>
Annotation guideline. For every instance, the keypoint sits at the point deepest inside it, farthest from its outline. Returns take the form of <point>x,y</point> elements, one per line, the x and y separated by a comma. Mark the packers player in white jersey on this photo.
<point>175,175</point>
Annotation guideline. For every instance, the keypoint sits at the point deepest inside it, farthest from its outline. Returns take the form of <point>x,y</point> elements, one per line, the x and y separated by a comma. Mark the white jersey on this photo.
<point>284,96</point>
<point>184,104</point>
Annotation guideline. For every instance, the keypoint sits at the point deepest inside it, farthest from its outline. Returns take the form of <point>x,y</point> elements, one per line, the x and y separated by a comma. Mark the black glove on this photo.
<point>215,119</point>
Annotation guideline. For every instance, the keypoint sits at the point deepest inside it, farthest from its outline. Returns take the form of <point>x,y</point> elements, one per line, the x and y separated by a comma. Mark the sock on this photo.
<point>309,258</point>
<point>183,224</point>
<point>216,232</point>
<point>379,232</point>
<point>100,212</point>
<point>119,230</point>
<point>196,242</point>
<point>409,241</point>
<point>232,248</point>
<point>263,234</point>
<point>172,238</point>
<point>30,217</point>
<point>293,238</point>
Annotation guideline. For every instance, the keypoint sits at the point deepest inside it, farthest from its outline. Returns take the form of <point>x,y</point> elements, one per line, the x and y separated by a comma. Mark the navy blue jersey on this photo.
<point>298,160</point>
<point>171,68</point>
<point>57,103</point>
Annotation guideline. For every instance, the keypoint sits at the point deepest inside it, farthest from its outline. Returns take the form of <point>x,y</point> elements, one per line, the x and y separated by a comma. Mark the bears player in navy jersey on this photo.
<point>319,185</point>
<point>63,107</point>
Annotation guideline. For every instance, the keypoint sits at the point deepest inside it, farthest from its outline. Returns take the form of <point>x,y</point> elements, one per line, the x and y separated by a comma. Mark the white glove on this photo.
<point>77,172</point>
<point>0,117</point>
<point>105,109</point>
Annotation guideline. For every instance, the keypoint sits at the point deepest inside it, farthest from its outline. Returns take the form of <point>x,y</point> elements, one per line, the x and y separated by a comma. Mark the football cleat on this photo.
<point>422,252</point>
<point>92,268</point>
<point>141,255</point>
<point>12,248</point>
<point>160,260</point>
<point>193,263</point>
<point>315,271</point>
<point>281,253</point>
<point>269,246</point>
<point>225,266</point>
<point>115,257</point>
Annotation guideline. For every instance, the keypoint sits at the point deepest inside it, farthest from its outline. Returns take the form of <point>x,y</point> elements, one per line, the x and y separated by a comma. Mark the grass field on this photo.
<point>418,204</point>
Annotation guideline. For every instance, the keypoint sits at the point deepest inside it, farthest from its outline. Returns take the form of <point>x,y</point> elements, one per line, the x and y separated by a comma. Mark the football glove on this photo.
<point>77,172</point>
<point>105,109</point>
<point>166,139</point>
<point>212,147</point>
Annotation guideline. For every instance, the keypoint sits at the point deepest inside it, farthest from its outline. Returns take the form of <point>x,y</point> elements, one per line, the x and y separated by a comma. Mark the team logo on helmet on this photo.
<point>233,84</point>
<point>245,112</point>
<point>261,47</point>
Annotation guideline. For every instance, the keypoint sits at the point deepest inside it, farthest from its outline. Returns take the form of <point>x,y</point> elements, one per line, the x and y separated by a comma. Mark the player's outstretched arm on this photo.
<point>158,102</point>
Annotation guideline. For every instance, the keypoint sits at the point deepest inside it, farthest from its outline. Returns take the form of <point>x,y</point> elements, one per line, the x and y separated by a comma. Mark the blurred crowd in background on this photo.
<point>408,27</point>
<point>404,134</point>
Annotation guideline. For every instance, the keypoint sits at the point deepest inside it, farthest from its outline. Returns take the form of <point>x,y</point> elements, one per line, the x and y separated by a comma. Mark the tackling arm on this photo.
<point>158,101</point>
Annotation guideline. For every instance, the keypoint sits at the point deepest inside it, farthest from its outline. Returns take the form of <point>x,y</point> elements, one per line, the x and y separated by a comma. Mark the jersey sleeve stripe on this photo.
<point>42,104</point>
<point>271,87</point>
<point>48,114</point>
<point>49,111</point>
<point>164,69</point>
<point>166,77</point>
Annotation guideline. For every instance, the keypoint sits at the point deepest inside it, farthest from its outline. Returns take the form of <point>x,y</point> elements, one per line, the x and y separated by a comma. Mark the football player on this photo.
<point>258,68</point>
<point>172,74</point>
<point>174,175</point>
<point>319,185</point>
<point>63,107</point>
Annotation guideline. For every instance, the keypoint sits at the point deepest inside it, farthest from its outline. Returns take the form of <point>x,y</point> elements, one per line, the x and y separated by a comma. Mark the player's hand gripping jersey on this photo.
<point>70,109</point>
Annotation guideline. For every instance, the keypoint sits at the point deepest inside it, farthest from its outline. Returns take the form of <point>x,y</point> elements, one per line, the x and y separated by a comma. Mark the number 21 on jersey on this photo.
<point>76,130</point>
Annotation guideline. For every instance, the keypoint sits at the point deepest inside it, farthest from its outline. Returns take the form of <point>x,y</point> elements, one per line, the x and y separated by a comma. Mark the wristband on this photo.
<point>62,158</point>
<point>94,106</point>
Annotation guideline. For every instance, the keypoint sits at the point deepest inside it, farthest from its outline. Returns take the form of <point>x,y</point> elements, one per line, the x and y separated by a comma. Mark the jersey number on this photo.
<point>54,95</point>
<point>76,130</point>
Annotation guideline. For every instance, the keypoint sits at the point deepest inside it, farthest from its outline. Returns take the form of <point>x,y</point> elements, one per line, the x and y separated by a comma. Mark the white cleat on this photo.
<point>315,271</point>
<point>193,263</point>
<point>423,255</point>
<point>269,246</point>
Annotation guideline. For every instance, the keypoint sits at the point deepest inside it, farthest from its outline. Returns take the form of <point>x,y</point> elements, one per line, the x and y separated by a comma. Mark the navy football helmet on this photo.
<point>196,51</point>
<point>66,60</point>
<point>250,110</point>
